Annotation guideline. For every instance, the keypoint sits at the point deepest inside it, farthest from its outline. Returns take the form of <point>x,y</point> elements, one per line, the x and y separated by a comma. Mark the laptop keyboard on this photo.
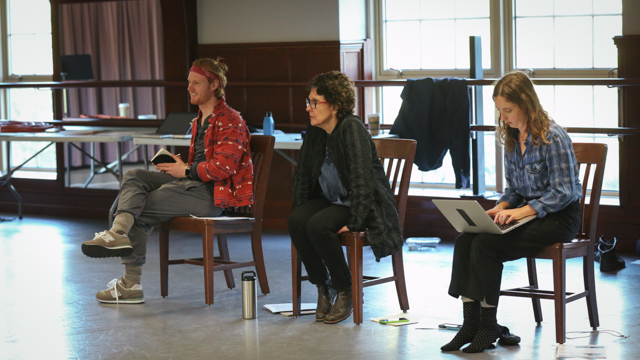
<point>507,226</point>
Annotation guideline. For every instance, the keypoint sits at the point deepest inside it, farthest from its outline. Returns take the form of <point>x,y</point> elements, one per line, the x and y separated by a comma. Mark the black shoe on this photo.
<point>507,338</point>
<point>609,258</point>
<point>342,308</point>
<point>326,297</point>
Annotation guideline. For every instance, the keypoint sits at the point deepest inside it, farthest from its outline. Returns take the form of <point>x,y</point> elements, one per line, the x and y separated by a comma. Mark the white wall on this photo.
<point>249,21</point>
<point>353,20</point>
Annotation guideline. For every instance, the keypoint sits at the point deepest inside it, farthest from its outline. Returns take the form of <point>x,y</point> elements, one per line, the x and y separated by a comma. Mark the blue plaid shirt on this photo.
<point>547,176</point>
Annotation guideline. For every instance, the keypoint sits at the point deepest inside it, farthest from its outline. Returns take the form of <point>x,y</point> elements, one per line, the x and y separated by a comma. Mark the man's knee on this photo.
<point>134,174</point>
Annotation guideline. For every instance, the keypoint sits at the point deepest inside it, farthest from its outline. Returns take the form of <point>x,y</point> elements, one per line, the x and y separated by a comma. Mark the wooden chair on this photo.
<point>588,155</point>
<point>396,156</point>
<point>261,155</point>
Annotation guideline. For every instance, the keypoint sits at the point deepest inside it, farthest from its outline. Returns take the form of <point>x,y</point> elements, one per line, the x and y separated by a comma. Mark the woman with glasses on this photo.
<point>339,185</point>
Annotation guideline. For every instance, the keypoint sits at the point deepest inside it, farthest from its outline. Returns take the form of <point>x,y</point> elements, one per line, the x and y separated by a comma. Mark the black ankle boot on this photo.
<point>342,308</point>
<point>488,332</point>
<point>470,325</point>
<point>326,297</point>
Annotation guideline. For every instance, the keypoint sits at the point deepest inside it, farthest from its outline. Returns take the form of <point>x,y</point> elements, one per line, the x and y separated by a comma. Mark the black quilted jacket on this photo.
<point>373,206</point>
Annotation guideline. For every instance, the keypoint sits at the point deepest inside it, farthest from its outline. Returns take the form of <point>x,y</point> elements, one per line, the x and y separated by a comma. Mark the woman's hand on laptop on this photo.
<point>505,216</point>
<point>501,206</point>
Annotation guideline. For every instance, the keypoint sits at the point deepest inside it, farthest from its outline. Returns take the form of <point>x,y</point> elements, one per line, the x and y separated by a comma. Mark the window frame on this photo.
<point>502,28</point>
<point>5,76</point>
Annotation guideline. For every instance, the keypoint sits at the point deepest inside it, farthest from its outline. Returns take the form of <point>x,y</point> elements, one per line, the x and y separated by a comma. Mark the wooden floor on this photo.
<point>48,309</point>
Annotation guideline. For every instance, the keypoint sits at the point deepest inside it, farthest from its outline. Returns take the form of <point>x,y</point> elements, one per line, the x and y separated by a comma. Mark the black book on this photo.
<point>162,156</point>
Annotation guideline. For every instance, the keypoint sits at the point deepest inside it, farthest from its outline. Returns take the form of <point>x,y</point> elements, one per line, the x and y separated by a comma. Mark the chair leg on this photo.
<point>207,259</point>
<point>559,291</point>
<point>533,282</point>
<point>224,255</point>
<point>164,259</point>
<point>401,286</point>
<point>590,286</point>
<point>258,257</point>
<point>296,282</point>
<point>355,264</point>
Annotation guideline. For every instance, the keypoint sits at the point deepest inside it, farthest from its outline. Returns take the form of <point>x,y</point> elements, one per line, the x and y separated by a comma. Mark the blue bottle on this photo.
<point>268,125</point>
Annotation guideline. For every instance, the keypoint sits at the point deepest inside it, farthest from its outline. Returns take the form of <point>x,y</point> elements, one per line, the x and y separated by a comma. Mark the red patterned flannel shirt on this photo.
<point>228,164</point>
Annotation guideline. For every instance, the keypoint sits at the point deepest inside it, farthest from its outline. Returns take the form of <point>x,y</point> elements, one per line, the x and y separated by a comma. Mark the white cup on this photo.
<point>374,123</point>
<point>123,110</point>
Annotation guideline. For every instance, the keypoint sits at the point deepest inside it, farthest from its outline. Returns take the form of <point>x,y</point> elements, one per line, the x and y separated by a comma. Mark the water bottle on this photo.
<point>249,295</point>
<point>268,126</point>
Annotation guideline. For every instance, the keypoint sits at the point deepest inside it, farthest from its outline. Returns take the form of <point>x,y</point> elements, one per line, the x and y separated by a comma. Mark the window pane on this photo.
<point>573,42</point>
<point>533,8</point>
<point>605,106</point>
<point>605,53</point>
<point>31,54</point>
<point>32,105</point>
<point>489,158</point>
<point>547,97</point>
<point>437,9</point>
<point>574,106</point>
<point>607,7</point>
<point>534,43</point>
<point>24,20</point>
<point>444,29</point>
<point>573,7</point>
<point>391,102</point>
<point>403,45</point>
<point>438,44</point>
<point>472,8</point>
<point>466,28</point>
<point>402,9</point>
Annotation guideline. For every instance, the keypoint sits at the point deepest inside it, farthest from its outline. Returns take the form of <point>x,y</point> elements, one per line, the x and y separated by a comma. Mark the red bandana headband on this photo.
<point>203,72</point>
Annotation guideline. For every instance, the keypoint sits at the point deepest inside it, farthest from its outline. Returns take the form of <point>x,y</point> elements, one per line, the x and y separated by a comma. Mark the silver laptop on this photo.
<point>469,216</point>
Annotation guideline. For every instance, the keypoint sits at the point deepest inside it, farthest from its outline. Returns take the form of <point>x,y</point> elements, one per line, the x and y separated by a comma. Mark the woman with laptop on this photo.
<point>339,186</point>
<point>543,180</point>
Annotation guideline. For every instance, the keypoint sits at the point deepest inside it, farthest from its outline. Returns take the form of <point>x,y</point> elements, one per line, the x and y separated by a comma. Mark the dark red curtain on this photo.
<point>124,39</point>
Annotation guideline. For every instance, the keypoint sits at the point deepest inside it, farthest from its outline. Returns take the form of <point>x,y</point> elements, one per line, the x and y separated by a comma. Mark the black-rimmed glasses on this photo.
<point>313,103</point>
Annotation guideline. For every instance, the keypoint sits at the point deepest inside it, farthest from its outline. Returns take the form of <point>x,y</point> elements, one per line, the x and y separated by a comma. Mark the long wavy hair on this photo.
<point>517,88</point>
<point>337,89</point>
<point>218,68</point>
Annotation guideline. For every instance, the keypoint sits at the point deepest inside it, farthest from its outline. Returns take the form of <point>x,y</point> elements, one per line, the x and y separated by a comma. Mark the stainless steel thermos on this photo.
<point>249,295</point>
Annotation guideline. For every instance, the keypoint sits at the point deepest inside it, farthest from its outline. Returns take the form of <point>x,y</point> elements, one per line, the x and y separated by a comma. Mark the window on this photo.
<point>27,56</point>
<point>547,38</point>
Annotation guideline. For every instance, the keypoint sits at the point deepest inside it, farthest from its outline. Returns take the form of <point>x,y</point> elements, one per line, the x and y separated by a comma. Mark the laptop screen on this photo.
<point>176,123</point>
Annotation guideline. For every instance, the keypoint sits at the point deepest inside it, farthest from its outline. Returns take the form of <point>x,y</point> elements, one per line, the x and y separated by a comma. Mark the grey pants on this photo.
<point>153,197</point>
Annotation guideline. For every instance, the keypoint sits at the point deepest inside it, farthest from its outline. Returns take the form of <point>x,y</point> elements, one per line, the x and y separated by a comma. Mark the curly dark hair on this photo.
<point>337,89</point>
<point>216,67</point>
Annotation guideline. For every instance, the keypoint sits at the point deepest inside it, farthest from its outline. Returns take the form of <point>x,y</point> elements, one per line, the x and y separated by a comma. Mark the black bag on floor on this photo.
<point>606,254</point>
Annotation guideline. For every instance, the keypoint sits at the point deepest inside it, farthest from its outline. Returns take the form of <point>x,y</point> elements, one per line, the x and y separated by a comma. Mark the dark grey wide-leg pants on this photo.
<point>477,258</point>
<point>153,197</point>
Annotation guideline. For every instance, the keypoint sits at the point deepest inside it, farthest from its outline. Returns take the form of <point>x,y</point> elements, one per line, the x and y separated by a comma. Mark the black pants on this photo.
<point>313,227</point>
<point>477,258</point>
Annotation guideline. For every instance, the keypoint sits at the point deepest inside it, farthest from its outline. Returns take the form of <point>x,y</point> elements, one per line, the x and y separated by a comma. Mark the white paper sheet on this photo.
<point>582,351</point>
<point>278,308</point>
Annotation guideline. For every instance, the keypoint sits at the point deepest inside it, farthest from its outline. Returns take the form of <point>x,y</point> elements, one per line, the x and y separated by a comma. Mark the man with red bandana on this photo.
<point>218,174</point>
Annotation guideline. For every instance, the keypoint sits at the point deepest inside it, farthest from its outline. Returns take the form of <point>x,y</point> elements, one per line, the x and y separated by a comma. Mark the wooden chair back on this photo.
<point>396,156</point>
